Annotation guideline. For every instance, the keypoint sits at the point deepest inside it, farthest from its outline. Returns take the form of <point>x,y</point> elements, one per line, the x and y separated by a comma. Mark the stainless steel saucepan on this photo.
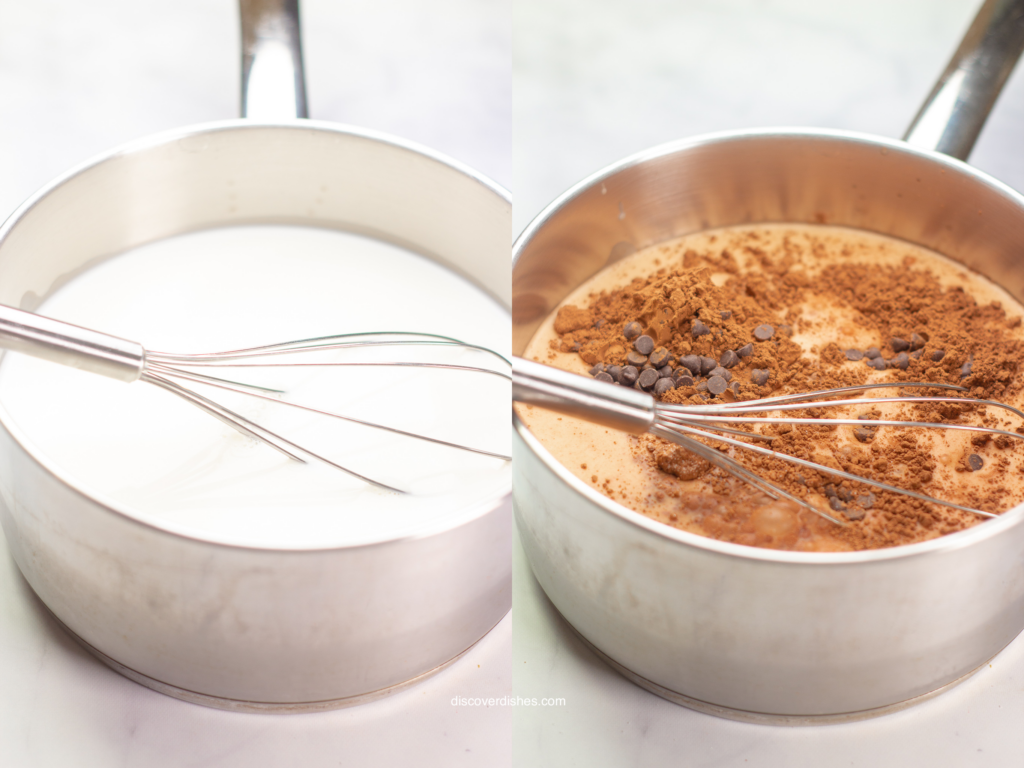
<point>749,633</point>
<point>235,626</point>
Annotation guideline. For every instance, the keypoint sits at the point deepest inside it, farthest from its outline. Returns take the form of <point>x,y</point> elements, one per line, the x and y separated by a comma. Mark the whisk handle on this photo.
<point>626,410</point>
<point>70,345</point>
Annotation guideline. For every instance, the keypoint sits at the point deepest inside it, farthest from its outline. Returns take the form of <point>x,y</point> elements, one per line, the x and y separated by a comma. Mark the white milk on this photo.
<point>156,457</point>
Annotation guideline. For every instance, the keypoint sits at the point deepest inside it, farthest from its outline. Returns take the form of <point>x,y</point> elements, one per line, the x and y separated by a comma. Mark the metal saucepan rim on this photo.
<point>300,125</point>
<point>943,543</point>
<point>781,132</point>
<point>471,513</point>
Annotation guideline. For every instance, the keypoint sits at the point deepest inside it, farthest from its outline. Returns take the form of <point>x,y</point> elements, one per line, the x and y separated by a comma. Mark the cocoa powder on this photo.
<point>718,299</point>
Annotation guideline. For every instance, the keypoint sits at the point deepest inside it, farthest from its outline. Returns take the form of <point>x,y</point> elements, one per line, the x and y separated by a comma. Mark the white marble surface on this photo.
<point>596,81</point>
<point>77,78</point>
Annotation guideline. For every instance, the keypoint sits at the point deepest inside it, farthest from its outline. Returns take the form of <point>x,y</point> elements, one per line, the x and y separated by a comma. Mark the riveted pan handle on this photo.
<point>273,81</point>
<point>956,109</point>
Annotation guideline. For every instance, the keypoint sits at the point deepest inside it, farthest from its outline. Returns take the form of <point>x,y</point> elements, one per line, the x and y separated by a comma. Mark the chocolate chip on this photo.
<point>707,365</point>
<point>726,314</point>
<point>866,500</point>
<point>745,351</point>
<point>975,462</point>
<point>764,332</point>
<point>691,363</point>
<point>636,359</point>
<point>966,368</point>
<point>829,490</point>
<point>836,504</point>
<point>877,363</point>
<point>648,378</point>
<point>865,416</point>
<point>615,371</point>
<point>666,372</point>
<point>632,330</point>
<point>938,354</point>
<point>598,368</point>
<point>602,376</point>
<point>735,387</point>
<point>854,354</point>
<point>844,494</point>
<point>699,329</point>
<point>648,366</point>
<point>644,345</point>
<point>702,386</point>
<point>916,342</point>
<point>717,385</point>
<point>898,344</point>
<point>629,376</point>
<point>684,381</point>
<point>786,330</point>
<point>599,324</point>
<point>864,434</point>
<point>872,353</point>
<point>661,386</point>
<point>901,361</point>
<point>659,357</point>
<point>728,359</point>
<point>853,514</point>
<point>720,371</point>
<point>916,354</point>
<point>760,376</point>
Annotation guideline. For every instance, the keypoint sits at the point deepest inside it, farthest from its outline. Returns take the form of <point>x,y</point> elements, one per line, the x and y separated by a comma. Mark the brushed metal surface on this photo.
<point>624,409</point>
<point>760,718</point>
<point>244,623</point>
<point>70,345</point>
<point>780,633</point>
<point>955,111</point>
<point>236,705</point>
<point>273,75</point>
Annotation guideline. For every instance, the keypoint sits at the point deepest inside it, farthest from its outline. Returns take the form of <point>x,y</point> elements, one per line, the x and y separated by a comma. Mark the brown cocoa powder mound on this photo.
<point>889,302</point>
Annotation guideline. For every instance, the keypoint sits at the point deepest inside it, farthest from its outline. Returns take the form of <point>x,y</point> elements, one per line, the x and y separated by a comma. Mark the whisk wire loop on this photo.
<point>168,369</point>
<point>129,361</point>
<point>688,424</point>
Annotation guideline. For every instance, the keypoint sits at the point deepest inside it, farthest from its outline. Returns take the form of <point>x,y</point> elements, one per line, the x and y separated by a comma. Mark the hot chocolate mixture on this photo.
<point>751,312</point>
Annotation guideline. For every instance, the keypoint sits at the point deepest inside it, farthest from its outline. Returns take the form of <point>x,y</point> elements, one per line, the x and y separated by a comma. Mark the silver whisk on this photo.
<point>118,358</point>
<point>636,412</point>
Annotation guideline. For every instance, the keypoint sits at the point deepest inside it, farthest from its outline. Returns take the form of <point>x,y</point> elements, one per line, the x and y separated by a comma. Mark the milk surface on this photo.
<point>155,457</point>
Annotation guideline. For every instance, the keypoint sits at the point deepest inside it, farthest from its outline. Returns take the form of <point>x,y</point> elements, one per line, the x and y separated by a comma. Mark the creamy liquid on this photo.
<point>617,464</point>
<point>160,459</point>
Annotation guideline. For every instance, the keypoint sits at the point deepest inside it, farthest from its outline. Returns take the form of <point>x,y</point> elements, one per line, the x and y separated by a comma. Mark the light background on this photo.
<point>77,78</point>
<point>595,81</point>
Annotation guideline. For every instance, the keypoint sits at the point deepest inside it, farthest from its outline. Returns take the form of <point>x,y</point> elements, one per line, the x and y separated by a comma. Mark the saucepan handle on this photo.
<point>956,109</point>
<point>273,80</point>
<point>619,408</point>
